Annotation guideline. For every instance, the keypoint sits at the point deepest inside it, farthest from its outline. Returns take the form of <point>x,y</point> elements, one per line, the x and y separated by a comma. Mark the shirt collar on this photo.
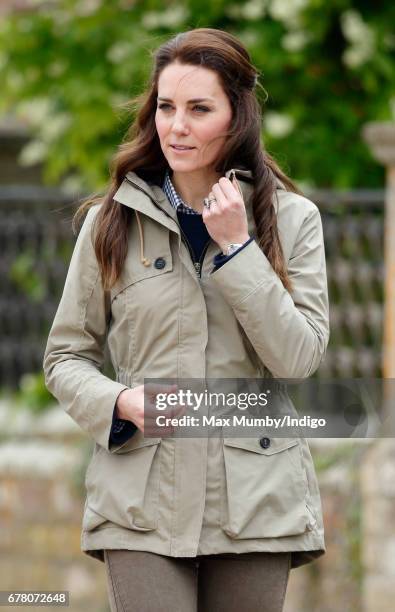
<point>175,199</point>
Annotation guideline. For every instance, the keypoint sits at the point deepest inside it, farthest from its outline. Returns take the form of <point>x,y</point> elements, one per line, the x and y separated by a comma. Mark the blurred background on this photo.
<point>67,68</point>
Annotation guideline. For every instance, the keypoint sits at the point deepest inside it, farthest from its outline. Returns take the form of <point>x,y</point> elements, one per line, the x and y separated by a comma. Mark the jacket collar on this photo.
<point>150,199</point>
<point>133,185</point>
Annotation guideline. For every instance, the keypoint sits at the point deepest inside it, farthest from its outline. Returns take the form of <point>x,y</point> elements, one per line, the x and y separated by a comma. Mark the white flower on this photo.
<point>47,127</point>
<point>72,184</point>
<point>88,7</point>
<point>171,18</point>
<point>278,124</point>
<point>61,18</point>
<point>249,38</point>
<point>360,36</point>
<point>33,152</point>
<point>295,41</point>
<point>34,111</point>
<point>119,52</point>
<point>55,126</point>
<point>254,9</point>
<point>287,11</point>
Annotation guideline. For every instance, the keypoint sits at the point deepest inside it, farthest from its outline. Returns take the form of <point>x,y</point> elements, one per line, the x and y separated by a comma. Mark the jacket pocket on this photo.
<point>159,259</point>
<point>123,487</point>
<point>265,489</point>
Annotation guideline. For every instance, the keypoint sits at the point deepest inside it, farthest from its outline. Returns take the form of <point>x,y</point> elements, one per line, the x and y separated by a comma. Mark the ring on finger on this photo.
<point>208,201</point>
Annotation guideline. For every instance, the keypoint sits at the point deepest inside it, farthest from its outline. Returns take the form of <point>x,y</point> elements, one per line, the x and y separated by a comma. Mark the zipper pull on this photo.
<point>197,267</point>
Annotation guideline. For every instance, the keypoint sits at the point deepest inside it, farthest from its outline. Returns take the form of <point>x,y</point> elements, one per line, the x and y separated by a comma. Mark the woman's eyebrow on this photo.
<point>193,99</point>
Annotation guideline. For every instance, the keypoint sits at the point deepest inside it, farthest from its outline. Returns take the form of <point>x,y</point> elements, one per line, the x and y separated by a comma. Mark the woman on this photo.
<point>203,260</point>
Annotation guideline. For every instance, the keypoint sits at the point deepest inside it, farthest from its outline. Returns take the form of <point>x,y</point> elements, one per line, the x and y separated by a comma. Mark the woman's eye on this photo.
<point>203,109</point>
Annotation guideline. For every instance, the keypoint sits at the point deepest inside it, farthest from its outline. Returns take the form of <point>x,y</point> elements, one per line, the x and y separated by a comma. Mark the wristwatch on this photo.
<point>231,248</point>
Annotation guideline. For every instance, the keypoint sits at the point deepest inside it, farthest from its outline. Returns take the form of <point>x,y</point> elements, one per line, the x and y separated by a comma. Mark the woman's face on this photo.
<point>192,110</point>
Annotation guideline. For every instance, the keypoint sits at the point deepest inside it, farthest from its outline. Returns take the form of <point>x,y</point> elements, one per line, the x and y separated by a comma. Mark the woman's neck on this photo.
<point>193,187</point>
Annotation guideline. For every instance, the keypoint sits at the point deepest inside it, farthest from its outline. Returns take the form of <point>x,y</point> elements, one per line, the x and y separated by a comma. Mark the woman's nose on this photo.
<point>179,124</point>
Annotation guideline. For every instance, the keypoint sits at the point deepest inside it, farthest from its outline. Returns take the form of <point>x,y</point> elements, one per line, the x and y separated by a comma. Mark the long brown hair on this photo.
<point>141,151</point>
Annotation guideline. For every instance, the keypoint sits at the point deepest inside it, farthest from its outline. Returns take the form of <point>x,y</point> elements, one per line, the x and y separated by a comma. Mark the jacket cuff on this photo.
<point>220,258</point>
<point>121,430</point>
<point>251,269</point>
<point>101,427</point>
<point>119,438</point>
<point>117,423</point>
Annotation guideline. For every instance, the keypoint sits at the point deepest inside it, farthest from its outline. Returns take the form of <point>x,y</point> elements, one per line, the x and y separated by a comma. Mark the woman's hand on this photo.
<point>226,219</point>
<point>138,405</point>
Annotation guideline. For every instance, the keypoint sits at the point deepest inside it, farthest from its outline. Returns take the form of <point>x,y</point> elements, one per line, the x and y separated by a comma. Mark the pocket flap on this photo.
<point>137,441</point>
<point>253,444</point>
<point>156,249</point>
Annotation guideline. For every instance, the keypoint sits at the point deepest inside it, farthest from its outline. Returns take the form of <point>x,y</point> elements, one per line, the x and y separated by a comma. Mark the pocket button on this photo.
<point>264,442</point>
<point>160,263</point>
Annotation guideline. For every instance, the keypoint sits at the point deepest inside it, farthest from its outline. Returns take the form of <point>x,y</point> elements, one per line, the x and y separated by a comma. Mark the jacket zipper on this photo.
<point>188,244</point>
<point>197,264</point>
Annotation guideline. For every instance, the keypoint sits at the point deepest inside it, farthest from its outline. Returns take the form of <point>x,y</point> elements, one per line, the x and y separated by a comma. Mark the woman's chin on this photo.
<point>184,166</point>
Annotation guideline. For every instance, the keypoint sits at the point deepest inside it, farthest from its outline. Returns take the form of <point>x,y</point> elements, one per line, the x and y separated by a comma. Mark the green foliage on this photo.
<point>328,68</point>
<point>350,456</point>
<point>325,459</point>
<point>22,273</point>
<point>32,393</point>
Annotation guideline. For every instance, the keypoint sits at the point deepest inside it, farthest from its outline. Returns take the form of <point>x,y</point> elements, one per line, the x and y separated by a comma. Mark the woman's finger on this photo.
<point>230,190</point>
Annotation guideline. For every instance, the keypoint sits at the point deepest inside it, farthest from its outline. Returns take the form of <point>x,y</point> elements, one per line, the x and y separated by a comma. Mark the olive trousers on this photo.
<point>139,581</point>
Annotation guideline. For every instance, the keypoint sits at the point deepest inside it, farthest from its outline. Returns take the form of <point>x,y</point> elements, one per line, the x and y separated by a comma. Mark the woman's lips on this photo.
<point>181,150</point>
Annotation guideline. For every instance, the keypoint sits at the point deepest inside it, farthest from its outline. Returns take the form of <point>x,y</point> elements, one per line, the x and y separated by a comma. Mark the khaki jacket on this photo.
<point>204,495</point>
